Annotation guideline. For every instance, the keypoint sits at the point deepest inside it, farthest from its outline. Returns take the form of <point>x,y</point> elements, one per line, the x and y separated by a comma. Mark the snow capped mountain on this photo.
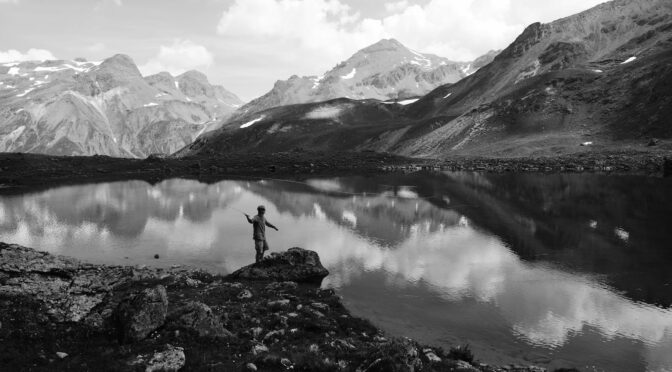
<point>107,108</point>
<point>386,70</point>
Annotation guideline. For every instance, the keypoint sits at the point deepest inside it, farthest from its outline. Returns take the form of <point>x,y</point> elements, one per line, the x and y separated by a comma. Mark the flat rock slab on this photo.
<point>296,265</point>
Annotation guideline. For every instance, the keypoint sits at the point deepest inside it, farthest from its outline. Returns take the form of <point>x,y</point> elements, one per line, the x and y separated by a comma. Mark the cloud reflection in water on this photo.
<point>399,234</point>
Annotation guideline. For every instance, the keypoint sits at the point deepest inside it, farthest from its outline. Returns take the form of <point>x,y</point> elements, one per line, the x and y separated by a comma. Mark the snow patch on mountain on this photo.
<point>25,92</point>
<point>326,112</point>
<point>350,75</point>
<point>316,81</point>
<point>421,58</point>
<point>629,60</point>
<point>252,122</point>
<point>80,67</point>
<point>408,101</point>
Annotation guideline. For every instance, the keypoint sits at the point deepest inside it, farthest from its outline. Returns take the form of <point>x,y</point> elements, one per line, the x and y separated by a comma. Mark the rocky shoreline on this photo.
<point>60,314</point>
<point>28,171</point>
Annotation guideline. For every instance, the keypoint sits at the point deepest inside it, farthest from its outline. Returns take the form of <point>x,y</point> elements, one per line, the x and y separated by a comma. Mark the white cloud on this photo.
<point>32,54</point>
<point>97,47</point>
<point>177,58</point>
<point>9,1</point>
<point>308,37</point>
<point>395,7</point>
<point>305,37</point>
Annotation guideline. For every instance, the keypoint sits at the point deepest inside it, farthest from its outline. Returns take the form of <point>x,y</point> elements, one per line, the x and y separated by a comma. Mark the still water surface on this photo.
<point>559,271</point>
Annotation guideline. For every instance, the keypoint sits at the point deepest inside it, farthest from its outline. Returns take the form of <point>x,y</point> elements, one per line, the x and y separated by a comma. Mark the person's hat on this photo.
<point>261,208</point>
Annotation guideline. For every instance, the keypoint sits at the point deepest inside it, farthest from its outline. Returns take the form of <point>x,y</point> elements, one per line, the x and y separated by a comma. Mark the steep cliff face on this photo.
<point>107,108</point>
<point>386,70</point>
<point>602,77</point>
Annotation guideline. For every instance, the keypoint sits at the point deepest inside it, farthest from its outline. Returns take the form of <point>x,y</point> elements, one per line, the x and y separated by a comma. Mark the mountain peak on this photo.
<point>384,45</point>
<point>194,75</point>
<point>121,60</point>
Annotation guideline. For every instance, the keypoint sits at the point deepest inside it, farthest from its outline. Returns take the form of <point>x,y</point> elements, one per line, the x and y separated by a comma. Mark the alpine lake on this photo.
<point>561,270</point>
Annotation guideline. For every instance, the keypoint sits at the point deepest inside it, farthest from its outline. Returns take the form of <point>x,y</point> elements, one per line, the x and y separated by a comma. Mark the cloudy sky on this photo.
<point>246,45</point>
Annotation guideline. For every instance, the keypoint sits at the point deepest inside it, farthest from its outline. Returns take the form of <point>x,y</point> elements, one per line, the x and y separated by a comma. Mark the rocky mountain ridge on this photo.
<point>599,80</point>
<point>386,70</point>
<point>104,108</point>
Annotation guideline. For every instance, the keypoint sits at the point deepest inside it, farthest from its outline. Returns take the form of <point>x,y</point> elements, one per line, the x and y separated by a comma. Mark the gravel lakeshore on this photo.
<point>60,314</point>
<point>19,172</point>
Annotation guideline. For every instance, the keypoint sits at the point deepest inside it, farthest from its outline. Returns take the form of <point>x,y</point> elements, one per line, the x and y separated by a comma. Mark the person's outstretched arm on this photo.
<point>248,218</point>
<point>271,226</point>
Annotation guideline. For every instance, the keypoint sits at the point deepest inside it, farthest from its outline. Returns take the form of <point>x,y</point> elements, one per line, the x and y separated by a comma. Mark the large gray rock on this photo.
<point>67,288</point>
<point>296,264</point>
<point>140,314</point>
<point>198,317</point>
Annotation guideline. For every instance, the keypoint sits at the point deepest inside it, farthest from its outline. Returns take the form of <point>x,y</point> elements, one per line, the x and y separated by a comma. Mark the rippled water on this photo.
<point>560,271</point>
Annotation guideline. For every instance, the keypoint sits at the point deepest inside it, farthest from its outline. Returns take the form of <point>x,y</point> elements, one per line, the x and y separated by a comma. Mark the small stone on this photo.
<point>156,256</point>
<point>258,349</point>
<point>274,334</point>
<point>244,294</point>
<point>256,332</point>
<point>61,355</point>
<point>192,282</point>
<point>286,363</point>
<point>433,358</point>
<point>279,304</point>
<point>251,367</point>
<point>314,348</point>
<point>170,359</point>
<point>320,306</point>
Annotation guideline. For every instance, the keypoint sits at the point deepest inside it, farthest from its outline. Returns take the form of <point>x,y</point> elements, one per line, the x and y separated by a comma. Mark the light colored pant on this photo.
<point>260,246</point>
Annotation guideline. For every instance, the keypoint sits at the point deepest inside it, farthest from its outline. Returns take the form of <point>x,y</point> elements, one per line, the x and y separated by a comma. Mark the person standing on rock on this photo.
<point>259,224</point>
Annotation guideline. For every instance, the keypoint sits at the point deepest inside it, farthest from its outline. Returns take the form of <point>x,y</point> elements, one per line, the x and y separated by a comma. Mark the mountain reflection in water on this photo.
<point>562,270</point>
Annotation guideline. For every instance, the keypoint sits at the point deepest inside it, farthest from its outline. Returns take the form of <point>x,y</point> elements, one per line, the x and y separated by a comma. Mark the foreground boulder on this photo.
<point>140,314</point>
<point>67,288</point>
<point>296,265</point>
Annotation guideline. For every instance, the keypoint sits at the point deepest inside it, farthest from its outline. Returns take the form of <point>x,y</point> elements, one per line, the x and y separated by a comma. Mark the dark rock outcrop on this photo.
<point>296,264</point>
<point>198,317</point>
<point>140,314</point>
<point>278,326</point>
